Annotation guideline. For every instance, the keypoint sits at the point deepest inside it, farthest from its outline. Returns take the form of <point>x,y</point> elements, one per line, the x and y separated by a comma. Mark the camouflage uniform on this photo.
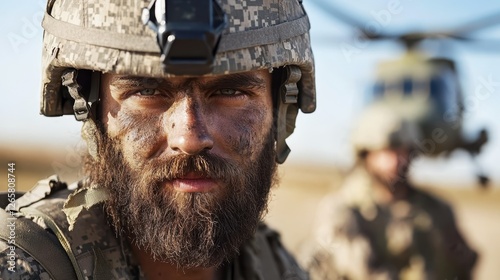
<point>93,37</point>
<point>101,255</point>
<point>412,238</point>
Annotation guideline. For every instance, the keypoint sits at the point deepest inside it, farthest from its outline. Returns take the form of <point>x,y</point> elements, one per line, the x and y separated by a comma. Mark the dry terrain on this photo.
<point>294,202</point>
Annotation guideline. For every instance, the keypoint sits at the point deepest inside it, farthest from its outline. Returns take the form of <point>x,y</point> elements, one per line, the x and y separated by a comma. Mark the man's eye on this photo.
<point>148,92</point>
<point>228,91</point>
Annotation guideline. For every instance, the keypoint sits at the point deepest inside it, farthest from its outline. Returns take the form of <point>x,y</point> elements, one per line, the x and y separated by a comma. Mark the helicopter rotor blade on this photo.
<point>347,19</point>
<point>473,26</point>
<point>411,38</point>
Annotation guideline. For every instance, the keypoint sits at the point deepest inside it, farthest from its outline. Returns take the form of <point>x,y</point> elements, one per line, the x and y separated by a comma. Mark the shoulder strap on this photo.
<point>287,265</point>
<point>60,237</point>
<point>264,257</point>
<point>37,242</point>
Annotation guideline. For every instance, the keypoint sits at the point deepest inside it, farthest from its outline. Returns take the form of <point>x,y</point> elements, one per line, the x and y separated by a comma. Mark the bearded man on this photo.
<point>186,106</point>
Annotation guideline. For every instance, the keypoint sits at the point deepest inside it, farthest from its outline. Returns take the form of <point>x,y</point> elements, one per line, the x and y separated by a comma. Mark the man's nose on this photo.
<point>187,128</point>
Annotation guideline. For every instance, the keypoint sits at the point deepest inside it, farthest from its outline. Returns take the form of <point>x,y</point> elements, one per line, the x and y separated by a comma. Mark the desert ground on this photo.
<point>293,202</point>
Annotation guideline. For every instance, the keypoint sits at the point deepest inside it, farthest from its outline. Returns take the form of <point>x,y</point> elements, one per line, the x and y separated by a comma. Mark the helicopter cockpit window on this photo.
<point>438,91</point>
<point>378,89</point>
<point>407,86</point>
<point>404,87</point>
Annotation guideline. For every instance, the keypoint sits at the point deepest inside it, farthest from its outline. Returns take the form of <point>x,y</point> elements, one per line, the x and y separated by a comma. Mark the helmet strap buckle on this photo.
<point>287,110</point>
<point>82,106</point>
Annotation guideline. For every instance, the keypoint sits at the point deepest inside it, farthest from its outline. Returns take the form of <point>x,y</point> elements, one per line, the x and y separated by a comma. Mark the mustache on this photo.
<point>204,164</point>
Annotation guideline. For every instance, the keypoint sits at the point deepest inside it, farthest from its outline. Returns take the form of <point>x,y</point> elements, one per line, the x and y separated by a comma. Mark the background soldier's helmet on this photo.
<point>383,125</point>
<point>113,37</point>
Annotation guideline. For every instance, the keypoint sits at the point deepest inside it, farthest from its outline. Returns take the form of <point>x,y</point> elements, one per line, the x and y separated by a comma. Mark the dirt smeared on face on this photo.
<point>136,151</point>
<point>141,136</point>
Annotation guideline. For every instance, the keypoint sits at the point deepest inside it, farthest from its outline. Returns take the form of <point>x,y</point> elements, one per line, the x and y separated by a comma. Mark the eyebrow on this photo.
<point>236,80</point>
<point>134,81</point>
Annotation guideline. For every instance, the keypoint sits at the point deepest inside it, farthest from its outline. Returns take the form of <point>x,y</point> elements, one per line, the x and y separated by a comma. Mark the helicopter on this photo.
<point>424,85</point>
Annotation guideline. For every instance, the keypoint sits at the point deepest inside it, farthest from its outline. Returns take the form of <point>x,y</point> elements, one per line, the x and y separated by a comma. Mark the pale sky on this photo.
<point>343,78</point>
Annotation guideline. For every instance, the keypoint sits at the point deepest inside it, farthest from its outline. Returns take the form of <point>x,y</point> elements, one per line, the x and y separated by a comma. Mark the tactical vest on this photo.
<point>89,249</point>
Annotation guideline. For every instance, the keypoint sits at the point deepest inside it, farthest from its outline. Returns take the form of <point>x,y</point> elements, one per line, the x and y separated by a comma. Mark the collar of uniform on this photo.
<point>86,196</point>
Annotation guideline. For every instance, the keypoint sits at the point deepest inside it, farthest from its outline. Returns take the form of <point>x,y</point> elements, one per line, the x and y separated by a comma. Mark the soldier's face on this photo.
<point>188,162</point>
<point>388,165</point>
<point>227,116</point>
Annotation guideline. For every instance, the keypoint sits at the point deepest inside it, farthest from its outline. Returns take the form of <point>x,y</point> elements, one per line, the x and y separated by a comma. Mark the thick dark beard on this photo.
<point>185,229</point>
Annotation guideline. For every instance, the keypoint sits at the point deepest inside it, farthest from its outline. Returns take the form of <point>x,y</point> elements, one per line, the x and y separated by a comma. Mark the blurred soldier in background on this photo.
<point>185,106</point>
<point>378,225</point>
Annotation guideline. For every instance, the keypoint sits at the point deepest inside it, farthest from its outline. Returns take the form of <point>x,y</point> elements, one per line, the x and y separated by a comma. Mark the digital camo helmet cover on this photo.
<point>110,37</point>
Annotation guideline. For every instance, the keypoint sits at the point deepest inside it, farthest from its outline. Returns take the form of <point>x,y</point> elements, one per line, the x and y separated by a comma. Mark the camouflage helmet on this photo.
<point>111,37</point>
<point>386,125</point>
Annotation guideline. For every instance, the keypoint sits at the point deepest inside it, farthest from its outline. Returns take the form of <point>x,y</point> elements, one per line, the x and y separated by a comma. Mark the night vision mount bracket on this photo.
<point>188,33</point>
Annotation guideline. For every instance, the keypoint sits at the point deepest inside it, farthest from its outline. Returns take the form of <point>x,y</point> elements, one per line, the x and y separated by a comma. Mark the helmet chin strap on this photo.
<point>80,106</point>
<point>85,106</point>
<point>287,110</point>
<point>90,134</point>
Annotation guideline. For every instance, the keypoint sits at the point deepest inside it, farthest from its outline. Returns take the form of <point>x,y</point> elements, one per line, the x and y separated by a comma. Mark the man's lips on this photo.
<point>193,183</point>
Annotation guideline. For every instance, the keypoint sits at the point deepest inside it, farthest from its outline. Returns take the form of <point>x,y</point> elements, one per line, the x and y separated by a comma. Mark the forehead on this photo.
<point>254,78</point>
<point>396,151</point>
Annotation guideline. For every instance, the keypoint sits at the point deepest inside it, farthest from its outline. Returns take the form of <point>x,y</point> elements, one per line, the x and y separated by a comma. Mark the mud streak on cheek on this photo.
<point>139,133</point>
<point>251,128</point>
